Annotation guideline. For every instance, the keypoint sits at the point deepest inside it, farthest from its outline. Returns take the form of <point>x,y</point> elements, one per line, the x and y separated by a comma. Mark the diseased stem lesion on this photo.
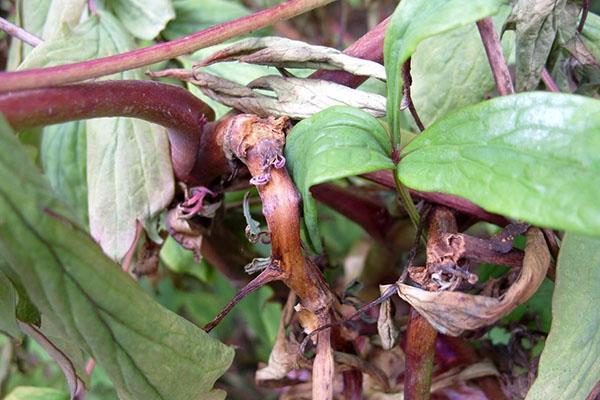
<point>258,143</point>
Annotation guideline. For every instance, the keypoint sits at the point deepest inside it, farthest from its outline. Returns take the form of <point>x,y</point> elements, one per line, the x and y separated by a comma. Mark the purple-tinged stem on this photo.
<point>493,49</point>
<point>19,33</point>
<point>368,213</point>
<point>69,73</point>
<point>406,92</point>
<point>170,106</point>
<point>386,178</point>
<point>549,82</point>
<point>585,8</point>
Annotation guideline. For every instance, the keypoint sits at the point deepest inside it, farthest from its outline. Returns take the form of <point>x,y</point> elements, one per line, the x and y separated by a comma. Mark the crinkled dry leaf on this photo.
<point>292,97</point>
<point>286,53</point>
<point>449,378</point>
<point>453,312</point>
<point>388,332</point>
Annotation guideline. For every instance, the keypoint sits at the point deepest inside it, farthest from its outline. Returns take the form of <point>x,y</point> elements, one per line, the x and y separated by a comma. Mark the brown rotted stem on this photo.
<point>183,114</point>
<point>256,142</point>
<point>420,335</point>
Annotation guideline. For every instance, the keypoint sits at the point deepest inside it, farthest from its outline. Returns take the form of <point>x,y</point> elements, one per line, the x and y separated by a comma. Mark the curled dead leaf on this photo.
<point>387,329</point>
<point>286,53</point>
<point>453,312</point>
<point>292,97</point>
<point>449,378</point>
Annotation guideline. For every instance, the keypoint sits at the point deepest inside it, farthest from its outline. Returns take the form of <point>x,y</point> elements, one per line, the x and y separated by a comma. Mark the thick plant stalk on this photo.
<point>258,143</point>
<point>493,49</point>
<point>182,113</point>
<point>69,73</point>
<point>420,335</point>
<point>420,351</point>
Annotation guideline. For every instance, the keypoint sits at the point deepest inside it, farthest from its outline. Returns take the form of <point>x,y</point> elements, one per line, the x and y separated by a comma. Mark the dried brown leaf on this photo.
<point>453,312</point>
<point>286,53</point>
<point>387,329</point>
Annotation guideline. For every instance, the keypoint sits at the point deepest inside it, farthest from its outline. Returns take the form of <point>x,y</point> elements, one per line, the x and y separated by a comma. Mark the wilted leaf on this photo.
<point>129,173</point>
<point>194,15</point>
<point>236,72</point>
<point>335,143</point>
<point>451,70</point>
<point>569,366</point>
<point>531,156</point>
<point>8,305</point>
<point>292,97</point>
<point>448,378</point>
<point>36,393</point>
<point>143,18</point>
<point>63,155</point>
<point>147,351</point>
<point>453,312</point>
<point>536,25</point>
<point>286,53</point>
<point>386,327</point>
<point>414,21</point>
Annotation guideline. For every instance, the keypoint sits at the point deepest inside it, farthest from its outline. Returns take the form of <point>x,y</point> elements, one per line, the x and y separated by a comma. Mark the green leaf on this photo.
<point>145,19</point>
<point>591,34</point>
<point>334,143</point>
<point>182,261</point>
<point>8,305</point>
<point>129,173</point>
<point>147,351</point>
<point>532,156</point>
<point>36,393</point>
<point>451,70</point>
<point>42,18</point>
<point>568,366</point>
<point>63,156</point>
<point>414,21</point>
<point>194,15</point>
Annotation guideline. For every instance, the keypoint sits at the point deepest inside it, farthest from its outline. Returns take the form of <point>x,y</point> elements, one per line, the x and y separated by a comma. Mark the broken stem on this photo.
<point>420,335</point>
<point>270,274</point>
<point>493,49</point>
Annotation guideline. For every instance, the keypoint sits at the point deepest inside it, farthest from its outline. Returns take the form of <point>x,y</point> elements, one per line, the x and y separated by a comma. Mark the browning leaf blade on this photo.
<point>569,366</point>
<point>335,143</point>
<point>147,351</point>
<point>453,312</point>
<point>414,21</point>
<point>531,156</point>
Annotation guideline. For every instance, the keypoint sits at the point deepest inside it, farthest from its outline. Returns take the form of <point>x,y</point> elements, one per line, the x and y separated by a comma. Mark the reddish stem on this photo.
<point>167,105</point>
<point>368,213</point>
<point>19,33</point>
<point>549,82</point>
<point>61,74</point>
<point>493,49</point>
<point>386,178</point>
<point>585,8</point>
<point>420,351</point>
<point>406,89</point>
